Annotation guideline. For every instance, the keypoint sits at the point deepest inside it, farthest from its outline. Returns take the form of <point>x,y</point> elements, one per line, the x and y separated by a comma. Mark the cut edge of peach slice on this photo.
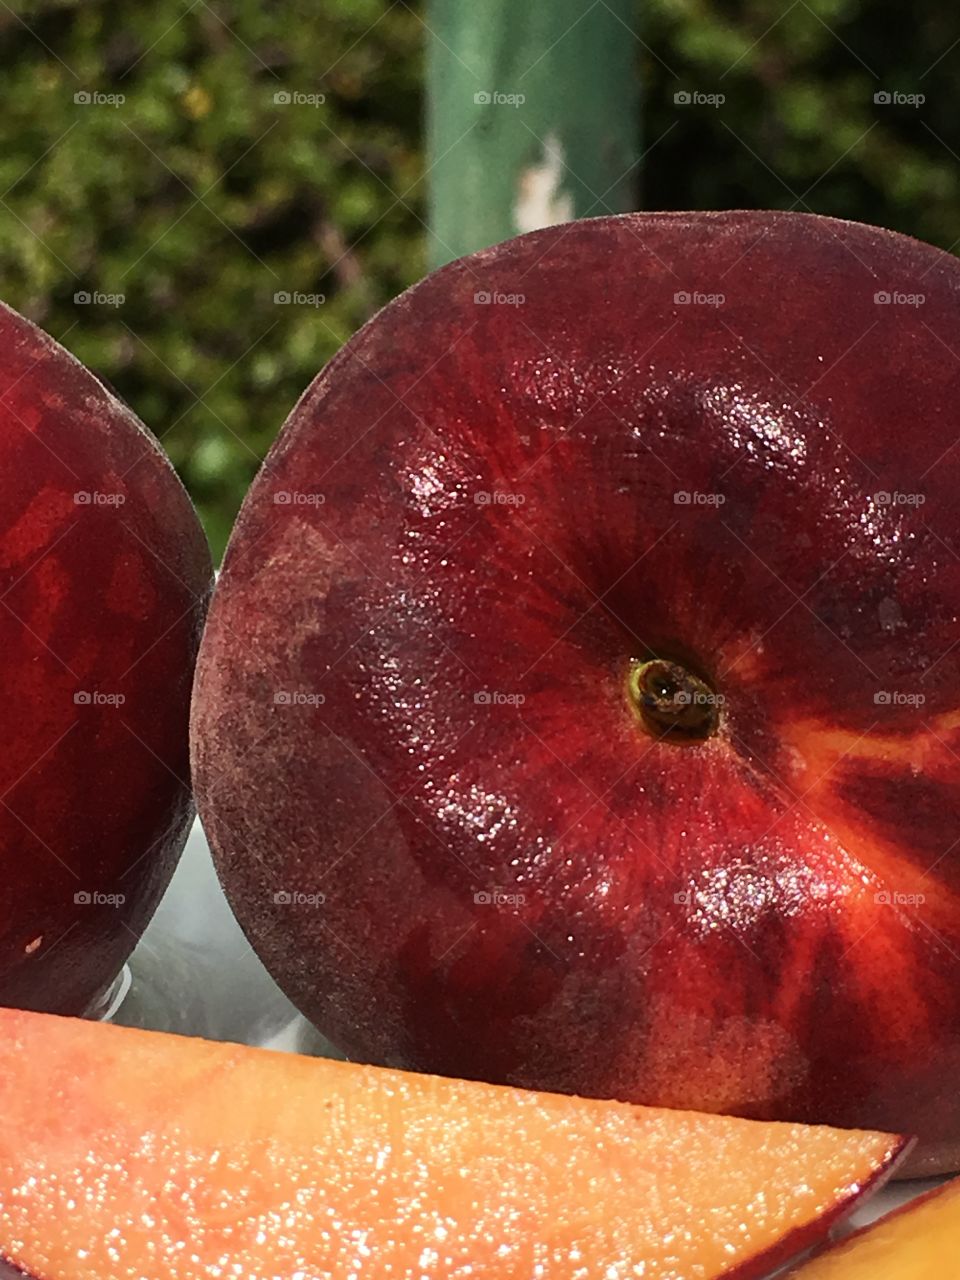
<point>794,1244</point>
<point>890,1240</point>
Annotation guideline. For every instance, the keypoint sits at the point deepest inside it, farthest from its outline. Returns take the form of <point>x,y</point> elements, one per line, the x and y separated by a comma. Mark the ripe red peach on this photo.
<point>104,580</point>
<point>580,705</point>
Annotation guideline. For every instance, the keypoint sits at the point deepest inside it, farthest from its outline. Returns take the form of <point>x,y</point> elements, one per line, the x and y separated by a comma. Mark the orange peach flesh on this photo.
<point>127,1153</point>
<point>819,748</point>
<point>919,1242</point>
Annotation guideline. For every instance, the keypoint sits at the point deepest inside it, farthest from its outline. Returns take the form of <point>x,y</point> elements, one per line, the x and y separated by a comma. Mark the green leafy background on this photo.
<point>202,196</point>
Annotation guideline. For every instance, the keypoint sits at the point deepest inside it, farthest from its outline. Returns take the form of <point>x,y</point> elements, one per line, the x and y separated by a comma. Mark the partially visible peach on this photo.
<point>104,580</point>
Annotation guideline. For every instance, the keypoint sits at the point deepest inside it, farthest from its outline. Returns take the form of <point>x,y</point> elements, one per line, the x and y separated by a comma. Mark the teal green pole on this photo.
<point>532,116</point>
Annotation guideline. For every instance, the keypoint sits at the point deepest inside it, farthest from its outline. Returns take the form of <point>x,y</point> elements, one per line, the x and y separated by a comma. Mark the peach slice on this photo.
<point>920,1241</point>
<point>128,1154</point>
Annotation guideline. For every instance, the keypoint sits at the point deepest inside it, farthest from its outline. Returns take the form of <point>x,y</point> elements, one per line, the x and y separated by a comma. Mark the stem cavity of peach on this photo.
<point>671,702</point>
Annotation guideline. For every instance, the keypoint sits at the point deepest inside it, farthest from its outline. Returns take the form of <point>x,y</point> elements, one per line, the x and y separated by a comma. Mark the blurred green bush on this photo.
<point>213,187</point>
<point>220,185</point>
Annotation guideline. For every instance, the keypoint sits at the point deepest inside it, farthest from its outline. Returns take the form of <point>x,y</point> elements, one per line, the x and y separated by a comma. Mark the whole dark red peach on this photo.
<point>580,704</point>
